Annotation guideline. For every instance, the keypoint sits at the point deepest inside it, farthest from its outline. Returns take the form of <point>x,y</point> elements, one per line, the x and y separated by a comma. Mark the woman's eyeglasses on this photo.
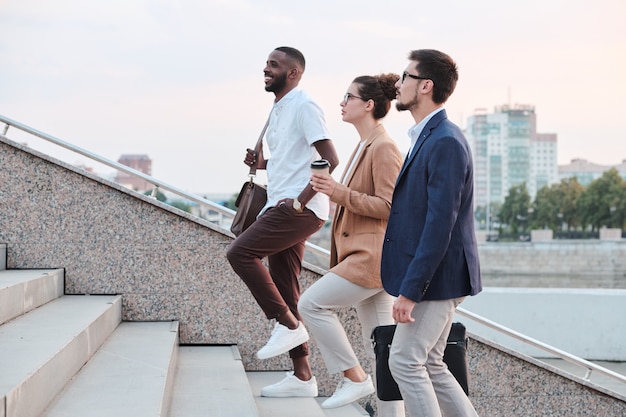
<point>348,96</point>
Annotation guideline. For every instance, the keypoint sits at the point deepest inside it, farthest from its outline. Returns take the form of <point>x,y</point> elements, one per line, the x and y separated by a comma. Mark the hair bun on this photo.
<point>388,84</point>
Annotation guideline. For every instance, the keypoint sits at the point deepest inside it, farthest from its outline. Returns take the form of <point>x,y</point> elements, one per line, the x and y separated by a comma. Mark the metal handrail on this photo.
<point>550,349</point>
<point>116,165</point>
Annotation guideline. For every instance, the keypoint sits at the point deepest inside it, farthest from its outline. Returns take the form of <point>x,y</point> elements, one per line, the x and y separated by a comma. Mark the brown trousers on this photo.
<point>279,234</point>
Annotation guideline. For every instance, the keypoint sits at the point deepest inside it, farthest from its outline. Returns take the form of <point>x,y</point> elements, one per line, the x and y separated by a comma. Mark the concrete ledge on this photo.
<point>610,234</point>
<point>543,235</point>
<point>582,257</point>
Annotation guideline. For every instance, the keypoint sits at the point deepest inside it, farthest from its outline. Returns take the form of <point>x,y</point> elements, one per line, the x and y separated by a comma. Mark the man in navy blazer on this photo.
<point>430,256</point>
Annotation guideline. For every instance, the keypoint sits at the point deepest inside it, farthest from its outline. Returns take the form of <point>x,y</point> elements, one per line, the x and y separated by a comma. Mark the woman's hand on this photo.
<point>323,183</point>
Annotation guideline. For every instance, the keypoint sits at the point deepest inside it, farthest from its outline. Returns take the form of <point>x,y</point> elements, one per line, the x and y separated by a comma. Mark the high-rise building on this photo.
<point>508,152</point>
<point>543,162</point>
<point>141,163</point>
<point>585,171</point>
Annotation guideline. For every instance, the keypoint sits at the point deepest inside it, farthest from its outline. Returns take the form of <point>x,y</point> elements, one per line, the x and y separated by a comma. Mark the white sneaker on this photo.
<point>283,340</point>
<point>349,391</point>
<point>291,386</point>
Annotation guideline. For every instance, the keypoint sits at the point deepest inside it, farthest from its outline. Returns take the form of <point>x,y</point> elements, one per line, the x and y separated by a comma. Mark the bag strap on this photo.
<point>257,148</point>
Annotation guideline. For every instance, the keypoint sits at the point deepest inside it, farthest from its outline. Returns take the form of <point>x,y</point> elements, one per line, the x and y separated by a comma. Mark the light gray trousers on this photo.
<point>416,363</point>
<point>373,307</point>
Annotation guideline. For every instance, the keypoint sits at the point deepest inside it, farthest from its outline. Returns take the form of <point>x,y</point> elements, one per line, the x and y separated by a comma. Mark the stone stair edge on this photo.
<point>43,349</point>
<point>131,374</point>
<point>211,380</point>
<point>24,290</point>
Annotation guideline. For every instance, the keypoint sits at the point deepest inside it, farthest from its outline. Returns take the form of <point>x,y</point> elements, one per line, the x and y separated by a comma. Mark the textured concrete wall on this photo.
<point>558,263</point>
<point>505,383</point>
<point>169,265</point>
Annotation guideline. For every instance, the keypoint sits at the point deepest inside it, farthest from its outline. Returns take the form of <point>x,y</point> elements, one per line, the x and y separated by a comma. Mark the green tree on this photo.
<point>545,207</point>
<point>619,213</point>
<point>557,205</point>
<point>570,191</point>
<point>515,209</point>
<point>602,203</point>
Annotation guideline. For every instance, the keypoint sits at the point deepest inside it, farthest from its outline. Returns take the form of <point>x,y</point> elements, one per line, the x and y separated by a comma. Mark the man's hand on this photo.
<point>250,158</point>
<point>402,309</point>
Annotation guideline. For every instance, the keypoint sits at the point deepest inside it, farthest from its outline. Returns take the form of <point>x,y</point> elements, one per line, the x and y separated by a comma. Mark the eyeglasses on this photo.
<point>416,77</point>
<point>348,96</point>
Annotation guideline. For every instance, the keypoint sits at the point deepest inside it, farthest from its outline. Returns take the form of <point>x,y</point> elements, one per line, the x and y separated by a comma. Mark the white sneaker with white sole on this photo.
<point>349,391</point>
<point>291,386</point>
<point>282,340</point>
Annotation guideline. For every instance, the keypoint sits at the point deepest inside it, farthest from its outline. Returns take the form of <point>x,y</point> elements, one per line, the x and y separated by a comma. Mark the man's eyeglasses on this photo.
<point>348,96</point>
<point>416,77</point>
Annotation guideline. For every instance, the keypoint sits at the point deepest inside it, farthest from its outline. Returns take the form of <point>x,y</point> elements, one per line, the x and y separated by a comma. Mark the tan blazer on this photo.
<point>363,206</point>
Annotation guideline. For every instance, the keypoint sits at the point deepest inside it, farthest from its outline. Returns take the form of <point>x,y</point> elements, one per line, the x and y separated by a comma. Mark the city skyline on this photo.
<point>182,82</point>
<point>509,151</point>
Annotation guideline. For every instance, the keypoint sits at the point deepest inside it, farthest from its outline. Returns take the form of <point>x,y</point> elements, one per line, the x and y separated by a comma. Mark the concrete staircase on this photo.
<point>72,356</point>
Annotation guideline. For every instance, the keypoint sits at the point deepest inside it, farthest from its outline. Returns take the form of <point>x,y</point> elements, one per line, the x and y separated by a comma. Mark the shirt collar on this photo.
<point>287,97</point>
<point>416,129</point>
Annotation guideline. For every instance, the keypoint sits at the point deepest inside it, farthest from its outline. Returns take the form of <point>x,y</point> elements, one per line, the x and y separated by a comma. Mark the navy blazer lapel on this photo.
<point>432,123</point>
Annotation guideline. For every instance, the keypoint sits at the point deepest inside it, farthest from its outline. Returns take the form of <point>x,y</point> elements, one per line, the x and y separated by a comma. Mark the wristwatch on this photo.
<point>296,205</point>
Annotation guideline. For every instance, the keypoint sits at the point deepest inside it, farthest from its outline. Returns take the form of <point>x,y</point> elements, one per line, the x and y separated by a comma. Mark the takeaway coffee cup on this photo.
<point>321,166</point>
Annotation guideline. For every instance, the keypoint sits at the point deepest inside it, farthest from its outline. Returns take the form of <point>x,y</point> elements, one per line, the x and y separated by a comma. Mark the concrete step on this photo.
<point>130,375</point>
<point>43,349</point>
<point>22,290</point>
<point>288,407</point>
<point>211,381</point>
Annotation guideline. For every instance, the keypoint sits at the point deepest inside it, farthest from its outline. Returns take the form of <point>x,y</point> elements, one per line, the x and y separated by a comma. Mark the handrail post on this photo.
<point>6,129</point>
<point>155,192</point>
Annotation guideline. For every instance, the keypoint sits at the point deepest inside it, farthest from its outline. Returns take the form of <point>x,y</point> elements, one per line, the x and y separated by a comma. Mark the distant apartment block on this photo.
<point>508,151</point>
<point>585,171</point>
<point>141,163</point>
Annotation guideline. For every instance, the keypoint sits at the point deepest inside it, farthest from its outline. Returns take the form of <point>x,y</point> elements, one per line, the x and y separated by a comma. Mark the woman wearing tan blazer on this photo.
<point>363,198</point>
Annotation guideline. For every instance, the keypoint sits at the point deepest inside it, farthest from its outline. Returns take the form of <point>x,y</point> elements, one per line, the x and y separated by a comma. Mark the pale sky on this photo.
<point>182,81</point>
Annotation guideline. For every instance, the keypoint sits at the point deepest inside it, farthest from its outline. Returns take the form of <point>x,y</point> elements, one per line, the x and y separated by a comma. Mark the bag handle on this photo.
<point>257,149</point>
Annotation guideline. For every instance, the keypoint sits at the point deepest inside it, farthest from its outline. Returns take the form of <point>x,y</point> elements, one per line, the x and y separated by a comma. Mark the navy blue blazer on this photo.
<point>430,250</point>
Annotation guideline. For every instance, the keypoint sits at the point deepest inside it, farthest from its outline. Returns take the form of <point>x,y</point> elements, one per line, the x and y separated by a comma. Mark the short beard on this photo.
<point>406,106</point>
<point>278,84</point>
